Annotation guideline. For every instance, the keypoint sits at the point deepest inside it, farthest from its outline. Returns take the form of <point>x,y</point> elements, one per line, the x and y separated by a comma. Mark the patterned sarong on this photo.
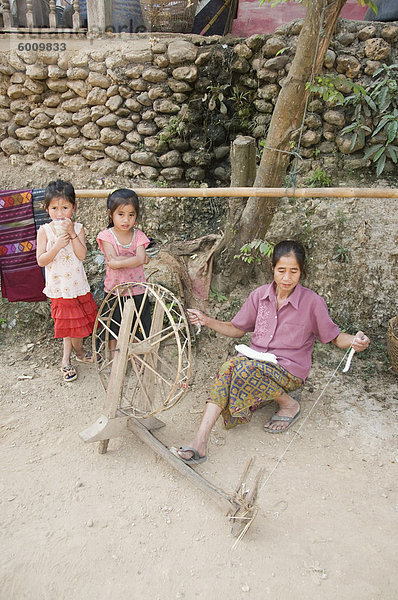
<point>242,385</point>
<point>21,277</point>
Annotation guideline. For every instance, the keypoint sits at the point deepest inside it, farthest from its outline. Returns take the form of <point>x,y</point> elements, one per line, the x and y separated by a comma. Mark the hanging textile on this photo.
<point>21,277</point>
<point>40,215</point>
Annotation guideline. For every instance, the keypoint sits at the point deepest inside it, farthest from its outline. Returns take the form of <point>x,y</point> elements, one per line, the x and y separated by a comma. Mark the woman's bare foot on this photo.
<point>199,443</point>
<point>289,409</point>
<point>200,449</point>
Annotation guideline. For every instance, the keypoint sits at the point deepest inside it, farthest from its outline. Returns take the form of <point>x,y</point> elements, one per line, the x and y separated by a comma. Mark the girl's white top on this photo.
<point>65,275</point>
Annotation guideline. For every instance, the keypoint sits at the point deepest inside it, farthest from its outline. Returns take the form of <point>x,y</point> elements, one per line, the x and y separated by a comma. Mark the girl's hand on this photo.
<point>62,241</point>
<point>69,227</point>
<point>147,259</point>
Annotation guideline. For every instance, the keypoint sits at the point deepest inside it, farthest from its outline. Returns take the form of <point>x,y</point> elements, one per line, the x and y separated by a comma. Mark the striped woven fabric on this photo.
<point>40,215</point>
<point>21,277</point>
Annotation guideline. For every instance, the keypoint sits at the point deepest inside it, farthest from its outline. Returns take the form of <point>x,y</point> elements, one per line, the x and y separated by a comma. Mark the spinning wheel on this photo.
<point>142,349</point>
<point>158,347</point>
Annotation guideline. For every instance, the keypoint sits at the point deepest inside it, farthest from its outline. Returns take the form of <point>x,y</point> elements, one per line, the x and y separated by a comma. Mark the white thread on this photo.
<point>304,421</point>
<point>349,359</point>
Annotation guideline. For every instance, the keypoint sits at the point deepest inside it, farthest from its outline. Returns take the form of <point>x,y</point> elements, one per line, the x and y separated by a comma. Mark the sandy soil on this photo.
<point>77,524</point>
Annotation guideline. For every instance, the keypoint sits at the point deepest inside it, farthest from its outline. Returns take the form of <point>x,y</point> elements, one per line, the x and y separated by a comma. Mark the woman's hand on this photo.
<point>360,342</point>
<point>196,317</point>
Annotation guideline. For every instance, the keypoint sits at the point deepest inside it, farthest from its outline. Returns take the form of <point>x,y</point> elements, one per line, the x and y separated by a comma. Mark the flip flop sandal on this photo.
<point>87,358</point>
<point>288,420</point>
<point>196,459</point>
<point>69,373</point>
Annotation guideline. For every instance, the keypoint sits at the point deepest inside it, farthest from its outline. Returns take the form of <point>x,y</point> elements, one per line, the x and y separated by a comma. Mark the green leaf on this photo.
<point>380,126</point>
<point>378,71</point>
<point>391,130</point>
<point>392,154</point>
<point>368,3</point>
<point>381,165</point>
<point>370,103</point>
<point>372,150</point>
<point>384,100</point>
<point>223,108</point>
<point>349,128</point>
<point>379,153</point>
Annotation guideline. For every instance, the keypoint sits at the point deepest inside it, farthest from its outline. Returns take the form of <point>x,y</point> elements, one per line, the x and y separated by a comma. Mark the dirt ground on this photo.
<point>77,524</point>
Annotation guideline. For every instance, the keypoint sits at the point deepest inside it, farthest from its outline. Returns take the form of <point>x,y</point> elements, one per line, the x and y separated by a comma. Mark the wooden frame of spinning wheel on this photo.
<point>115,422</point>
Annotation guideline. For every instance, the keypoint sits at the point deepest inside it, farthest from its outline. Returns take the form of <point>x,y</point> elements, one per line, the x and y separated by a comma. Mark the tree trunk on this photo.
<point>286,121</point>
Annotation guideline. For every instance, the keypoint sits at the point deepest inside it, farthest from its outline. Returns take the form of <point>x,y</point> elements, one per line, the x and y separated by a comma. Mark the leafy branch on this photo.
<point>255,251</point>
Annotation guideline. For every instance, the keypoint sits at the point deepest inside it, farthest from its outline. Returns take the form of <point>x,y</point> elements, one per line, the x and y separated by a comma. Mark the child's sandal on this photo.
<point>86,358</point>
<point>69,373</point>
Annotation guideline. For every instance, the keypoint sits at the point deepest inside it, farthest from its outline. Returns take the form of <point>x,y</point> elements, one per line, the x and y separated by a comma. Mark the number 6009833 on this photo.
<point>42,46</point>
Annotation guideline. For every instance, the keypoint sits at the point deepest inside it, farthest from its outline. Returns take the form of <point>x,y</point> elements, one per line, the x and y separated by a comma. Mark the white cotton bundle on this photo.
<point>250,353</point>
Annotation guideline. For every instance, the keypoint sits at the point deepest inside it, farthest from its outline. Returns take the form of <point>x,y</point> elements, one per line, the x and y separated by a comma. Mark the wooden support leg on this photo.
<point>215,493</point>
<point>116,379</point>
<point>103,446</point>
<point>105,429</point>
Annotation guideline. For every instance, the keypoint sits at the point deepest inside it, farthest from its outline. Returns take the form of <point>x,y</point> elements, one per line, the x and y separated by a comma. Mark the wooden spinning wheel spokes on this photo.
<point>157,359</point>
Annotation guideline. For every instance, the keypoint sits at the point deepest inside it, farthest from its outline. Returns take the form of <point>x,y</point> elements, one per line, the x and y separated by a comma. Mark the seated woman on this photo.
<point>285,319</point>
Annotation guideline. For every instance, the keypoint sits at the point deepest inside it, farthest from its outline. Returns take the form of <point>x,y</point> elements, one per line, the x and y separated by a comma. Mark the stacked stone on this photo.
<point>356,52</point>
<point>144,112</point>
<point>105,112</point>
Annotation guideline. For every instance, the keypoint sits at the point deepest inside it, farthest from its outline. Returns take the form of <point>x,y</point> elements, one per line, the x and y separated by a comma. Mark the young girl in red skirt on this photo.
<point>61,249</point>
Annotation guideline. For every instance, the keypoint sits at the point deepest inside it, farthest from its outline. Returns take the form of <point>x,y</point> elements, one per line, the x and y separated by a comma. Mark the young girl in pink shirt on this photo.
<point>123,246</point>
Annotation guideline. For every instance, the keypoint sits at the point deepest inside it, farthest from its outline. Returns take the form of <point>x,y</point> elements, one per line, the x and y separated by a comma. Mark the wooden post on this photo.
<point>243,173</point>
<point>148,378</point>
<point>116,379</point>
<point>243,161</point>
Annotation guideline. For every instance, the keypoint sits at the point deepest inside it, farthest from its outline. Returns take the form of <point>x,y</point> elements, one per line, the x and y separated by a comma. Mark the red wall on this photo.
<point>253,18</point>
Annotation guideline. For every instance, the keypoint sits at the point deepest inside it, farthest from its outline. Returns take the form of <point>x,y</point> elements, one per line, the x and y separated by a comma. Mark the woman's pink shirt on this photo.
<point>289,332</point>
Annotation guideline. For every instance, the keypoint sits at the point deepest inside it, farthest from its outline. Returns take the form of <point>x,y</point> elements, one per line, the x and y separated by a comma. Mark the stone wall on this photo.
<point>165,108</point>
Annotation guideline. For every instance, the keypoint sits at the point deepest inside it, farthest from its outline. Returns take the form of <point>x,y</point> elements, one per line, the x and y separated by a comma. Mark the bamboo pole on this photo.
<point>248,192</point>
